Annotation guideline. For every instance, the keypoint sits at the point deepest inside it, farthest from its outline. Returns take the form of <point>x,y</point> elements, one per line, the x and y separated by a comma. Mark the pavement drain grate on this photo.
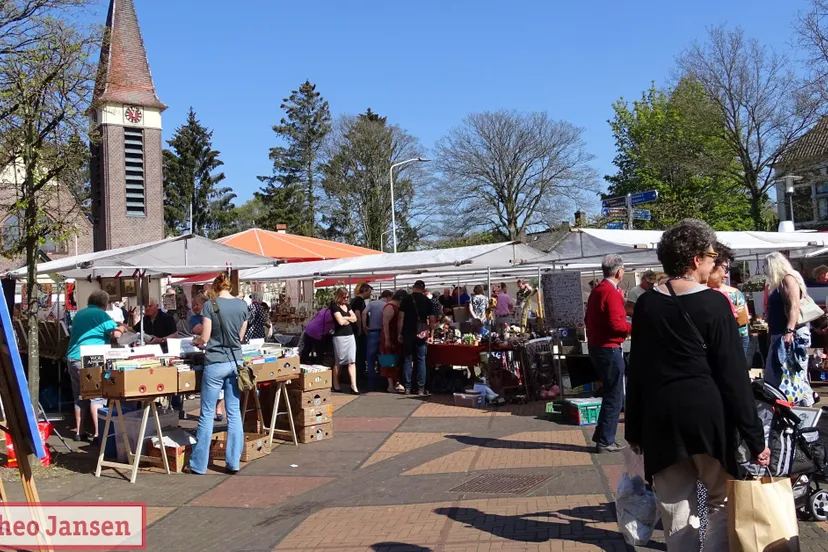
<point>501,484</point>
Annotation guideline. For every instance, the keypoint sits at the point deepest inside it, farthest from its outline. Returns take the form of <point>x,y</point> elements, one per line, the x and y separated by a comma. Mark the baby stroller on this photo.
<point>798,449</point>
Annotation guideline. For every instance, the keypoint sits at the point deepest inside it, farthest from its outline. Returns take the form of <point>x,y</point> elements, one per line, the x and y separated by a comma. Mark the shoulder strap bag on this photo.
<point>422,327</point>
<point>681,308</point>
<point>246,375</point>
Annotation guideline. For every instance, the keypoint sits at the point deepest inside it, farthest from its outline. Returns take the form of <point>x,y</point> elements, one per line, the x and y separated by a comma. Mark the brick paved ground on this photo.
<point>392,479</point>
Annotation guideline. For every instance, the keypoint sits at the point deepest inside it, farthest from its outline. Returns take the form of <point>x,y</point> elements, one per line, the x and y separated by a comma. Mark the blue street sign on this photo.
<point>618,225</point>
<point>644,197</point>
<point>642,214</point>
<point>614,212</point>
<point>617,201</point>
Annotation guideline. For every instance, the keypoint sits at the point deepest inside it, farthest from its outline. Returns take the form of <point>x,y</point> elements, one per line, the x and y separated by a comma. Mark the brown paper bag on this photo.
<point>761,516</point>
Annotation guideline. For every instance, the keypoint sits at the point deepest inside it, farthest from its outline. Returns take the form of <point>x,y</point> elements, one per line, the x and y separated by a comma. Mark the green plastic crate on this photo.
<point>554,411</point>
<point>582,412</point>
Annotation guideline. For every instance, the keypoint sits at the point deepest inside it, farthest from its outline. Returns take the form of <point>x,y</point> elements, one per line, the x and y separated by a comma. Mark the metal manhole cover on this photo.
<point>501,484</point>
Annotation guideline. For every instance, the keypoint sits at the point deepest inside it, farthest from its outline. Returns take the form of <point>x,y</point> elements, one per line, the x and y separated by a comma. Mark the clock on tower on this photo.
<point>134,114</point>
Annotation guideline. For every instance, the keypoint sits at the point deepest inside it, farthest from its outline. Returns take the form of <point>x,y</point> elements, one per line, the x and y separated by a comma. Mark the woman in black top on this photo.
<point>343,338</point>
<point>688,390</point>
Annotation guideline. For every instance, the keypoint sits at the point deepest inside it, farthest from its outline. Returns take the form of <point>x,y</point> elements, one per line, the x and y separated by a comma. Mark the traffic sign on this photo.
<point>644,197</point>
<point>614,212</point>
<point>617,201</point>
<point>617,225</point>
<point>642,214</point>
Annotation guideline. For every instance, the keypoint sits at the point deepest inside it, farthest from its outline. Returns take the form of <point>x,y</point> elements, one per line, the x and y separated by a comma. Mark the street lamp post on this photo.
<point>381,237</point>
<point>789,192</point>
<point>391,180</point>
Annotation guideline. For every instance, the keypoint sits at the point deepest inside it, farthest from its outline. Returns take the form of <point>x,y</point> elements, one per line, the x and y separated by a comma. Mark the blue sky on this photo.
<point>424,64</point>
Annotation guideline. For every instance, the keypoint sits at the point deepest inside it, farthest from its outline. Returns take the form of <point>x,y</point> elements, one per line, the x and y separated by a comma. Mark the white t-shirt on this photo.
<point>116,314</point>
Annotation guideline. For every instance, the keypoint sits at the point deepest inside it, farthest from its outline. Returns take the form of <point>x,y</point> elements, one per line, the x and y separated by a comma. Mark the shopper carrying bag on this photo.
<point>761,516</point>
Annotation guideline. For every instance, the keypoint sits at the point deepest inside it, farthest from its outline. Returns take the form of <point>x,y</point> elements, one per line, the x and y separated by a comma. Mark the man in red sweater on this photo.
<point>607,328</point>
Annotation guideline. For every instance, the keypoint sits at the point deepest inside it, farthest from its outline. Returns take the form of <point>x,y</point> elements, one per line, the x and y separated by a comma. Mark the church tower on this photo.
<point>126,169</point>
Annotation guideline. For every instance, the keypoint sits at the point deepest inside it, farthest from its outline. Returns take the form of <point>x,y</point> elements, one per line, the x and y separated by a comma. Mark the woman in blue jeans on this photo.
<point>221,337</point>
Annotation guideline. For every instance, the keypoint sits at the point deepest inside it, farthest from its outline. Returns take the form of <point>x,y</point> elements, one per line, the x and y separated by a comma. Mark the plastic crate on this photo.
<point>554,411</point>
<point>582,412</point>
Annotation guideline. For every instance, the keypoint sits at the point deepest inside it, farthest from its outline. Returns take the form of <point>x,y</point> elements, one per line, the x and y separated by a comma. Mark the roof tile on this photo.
<point>812,144</point>
<point>124,73</point>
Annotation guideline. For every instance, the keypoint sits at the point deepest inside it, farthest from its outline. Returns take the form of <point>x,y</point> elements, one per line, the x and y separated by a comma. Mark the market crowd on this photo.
<point>384,341</point>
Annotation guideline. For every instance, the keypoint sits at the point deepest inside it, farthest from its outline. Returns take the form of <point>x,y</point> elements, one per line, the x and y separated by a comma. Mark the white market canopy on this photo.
<point>476,259</point>
<point>586,246</point>
<point>181,255</point>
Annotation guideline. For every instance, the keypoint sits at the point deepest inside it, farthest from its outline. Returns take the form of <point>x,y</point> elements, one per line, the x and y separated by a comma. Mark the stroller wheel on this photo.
<point>818,505</point>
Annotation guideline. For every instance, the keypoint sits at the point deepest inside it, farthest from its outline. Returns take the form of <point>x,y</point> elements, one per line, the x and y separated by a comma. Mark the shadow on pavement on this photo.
<point>506,444</point>
<point>398,547</point>
<point>522,528</point>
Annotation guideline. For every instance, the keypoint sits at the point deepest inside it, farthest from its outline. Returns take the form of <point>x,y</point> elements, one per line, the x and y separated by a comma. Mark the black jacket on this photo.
<point>682,401</point>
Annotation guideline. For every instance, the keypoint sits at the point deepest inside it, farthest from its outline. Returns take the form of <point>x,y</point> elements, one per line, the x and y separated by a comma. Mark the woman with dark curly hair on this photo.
<point>688,390</point>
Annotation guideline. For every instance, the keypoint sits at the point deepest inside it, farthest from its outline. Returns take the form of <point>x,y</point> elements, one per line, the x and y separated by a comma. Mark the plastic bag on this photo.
<point>635,502</point>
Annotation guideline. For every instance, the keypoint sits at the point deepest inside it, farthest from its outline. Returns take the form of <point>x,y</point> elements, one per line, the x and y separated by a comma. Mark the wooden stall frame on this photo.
<point>133,459</point>
<point>281,394</point>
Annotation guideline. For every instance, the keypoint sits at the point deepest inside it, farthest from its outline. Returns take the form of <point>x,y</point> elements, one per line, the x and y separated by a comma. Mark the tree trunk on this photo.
<point>311,222</point>
<point>33,304</point>
<point>757,204</point>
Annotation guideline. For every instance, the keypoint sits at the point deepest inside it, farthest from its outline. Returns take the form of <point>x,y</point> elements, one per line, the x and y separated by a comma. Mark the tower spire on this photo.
<point>123,73</point>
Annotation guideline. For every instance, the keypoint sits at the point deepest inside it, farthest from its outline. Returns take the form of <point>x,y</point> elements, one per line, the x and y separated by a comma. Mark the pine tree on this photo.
<point>289,195</point>
<point>189,178</point>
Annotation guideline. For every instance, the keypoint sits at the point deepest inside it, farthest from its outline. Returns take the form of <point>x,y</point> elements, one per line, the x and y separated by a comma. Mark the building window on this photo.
<point>803,204</point>
<point>134,171</point>
<point>11,232</point>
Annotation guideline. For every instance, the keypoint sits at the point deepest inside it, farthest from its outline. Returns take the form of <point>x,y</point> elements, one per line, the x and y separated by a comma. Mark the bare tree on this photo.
<point>45,91</point>
<point>508,172</point>
<point>811,30</point>
<point>764,106</point>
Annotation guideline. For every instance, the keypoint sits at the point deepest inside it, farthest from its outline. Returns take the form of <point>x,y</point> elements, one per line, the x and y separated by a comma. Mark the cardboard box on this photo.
<point>189,381</point>
<point>177,457</point>
<point>470,399</point>
<point>283,369</point>
<point>255,446</point>
<point>136,384</point>
<point>306,417</point>
<point>90,382</point>
<point>308,399</point>
<point>311,381</point>
<point>311,434</point>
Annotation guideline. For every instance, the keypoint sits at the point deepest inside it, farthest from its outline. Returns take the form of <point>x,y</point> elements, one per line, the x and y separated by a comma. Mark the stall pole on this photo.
<point>539,315</point>
<point>141,305</point>
<point>492,325</point>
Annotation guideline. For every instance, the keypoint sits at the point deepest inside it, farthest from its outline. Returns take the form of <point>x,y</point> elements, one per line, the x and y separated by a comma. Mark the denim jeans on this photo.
<point>371,357</point>
<point>218,377</point>
<point>415,353</point>
<point>609,364</point>
<point>745,339</point>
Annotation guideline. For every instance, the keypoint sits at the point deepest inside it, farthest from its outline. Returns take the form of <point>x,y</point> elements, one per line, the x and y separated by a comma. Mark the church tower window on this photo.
<point>134,167</point>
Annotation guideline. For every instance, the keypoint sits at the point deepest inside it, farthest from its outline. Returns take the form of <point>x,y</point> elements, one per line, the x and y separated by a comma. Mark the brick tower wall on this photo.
<point>113,227</point>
